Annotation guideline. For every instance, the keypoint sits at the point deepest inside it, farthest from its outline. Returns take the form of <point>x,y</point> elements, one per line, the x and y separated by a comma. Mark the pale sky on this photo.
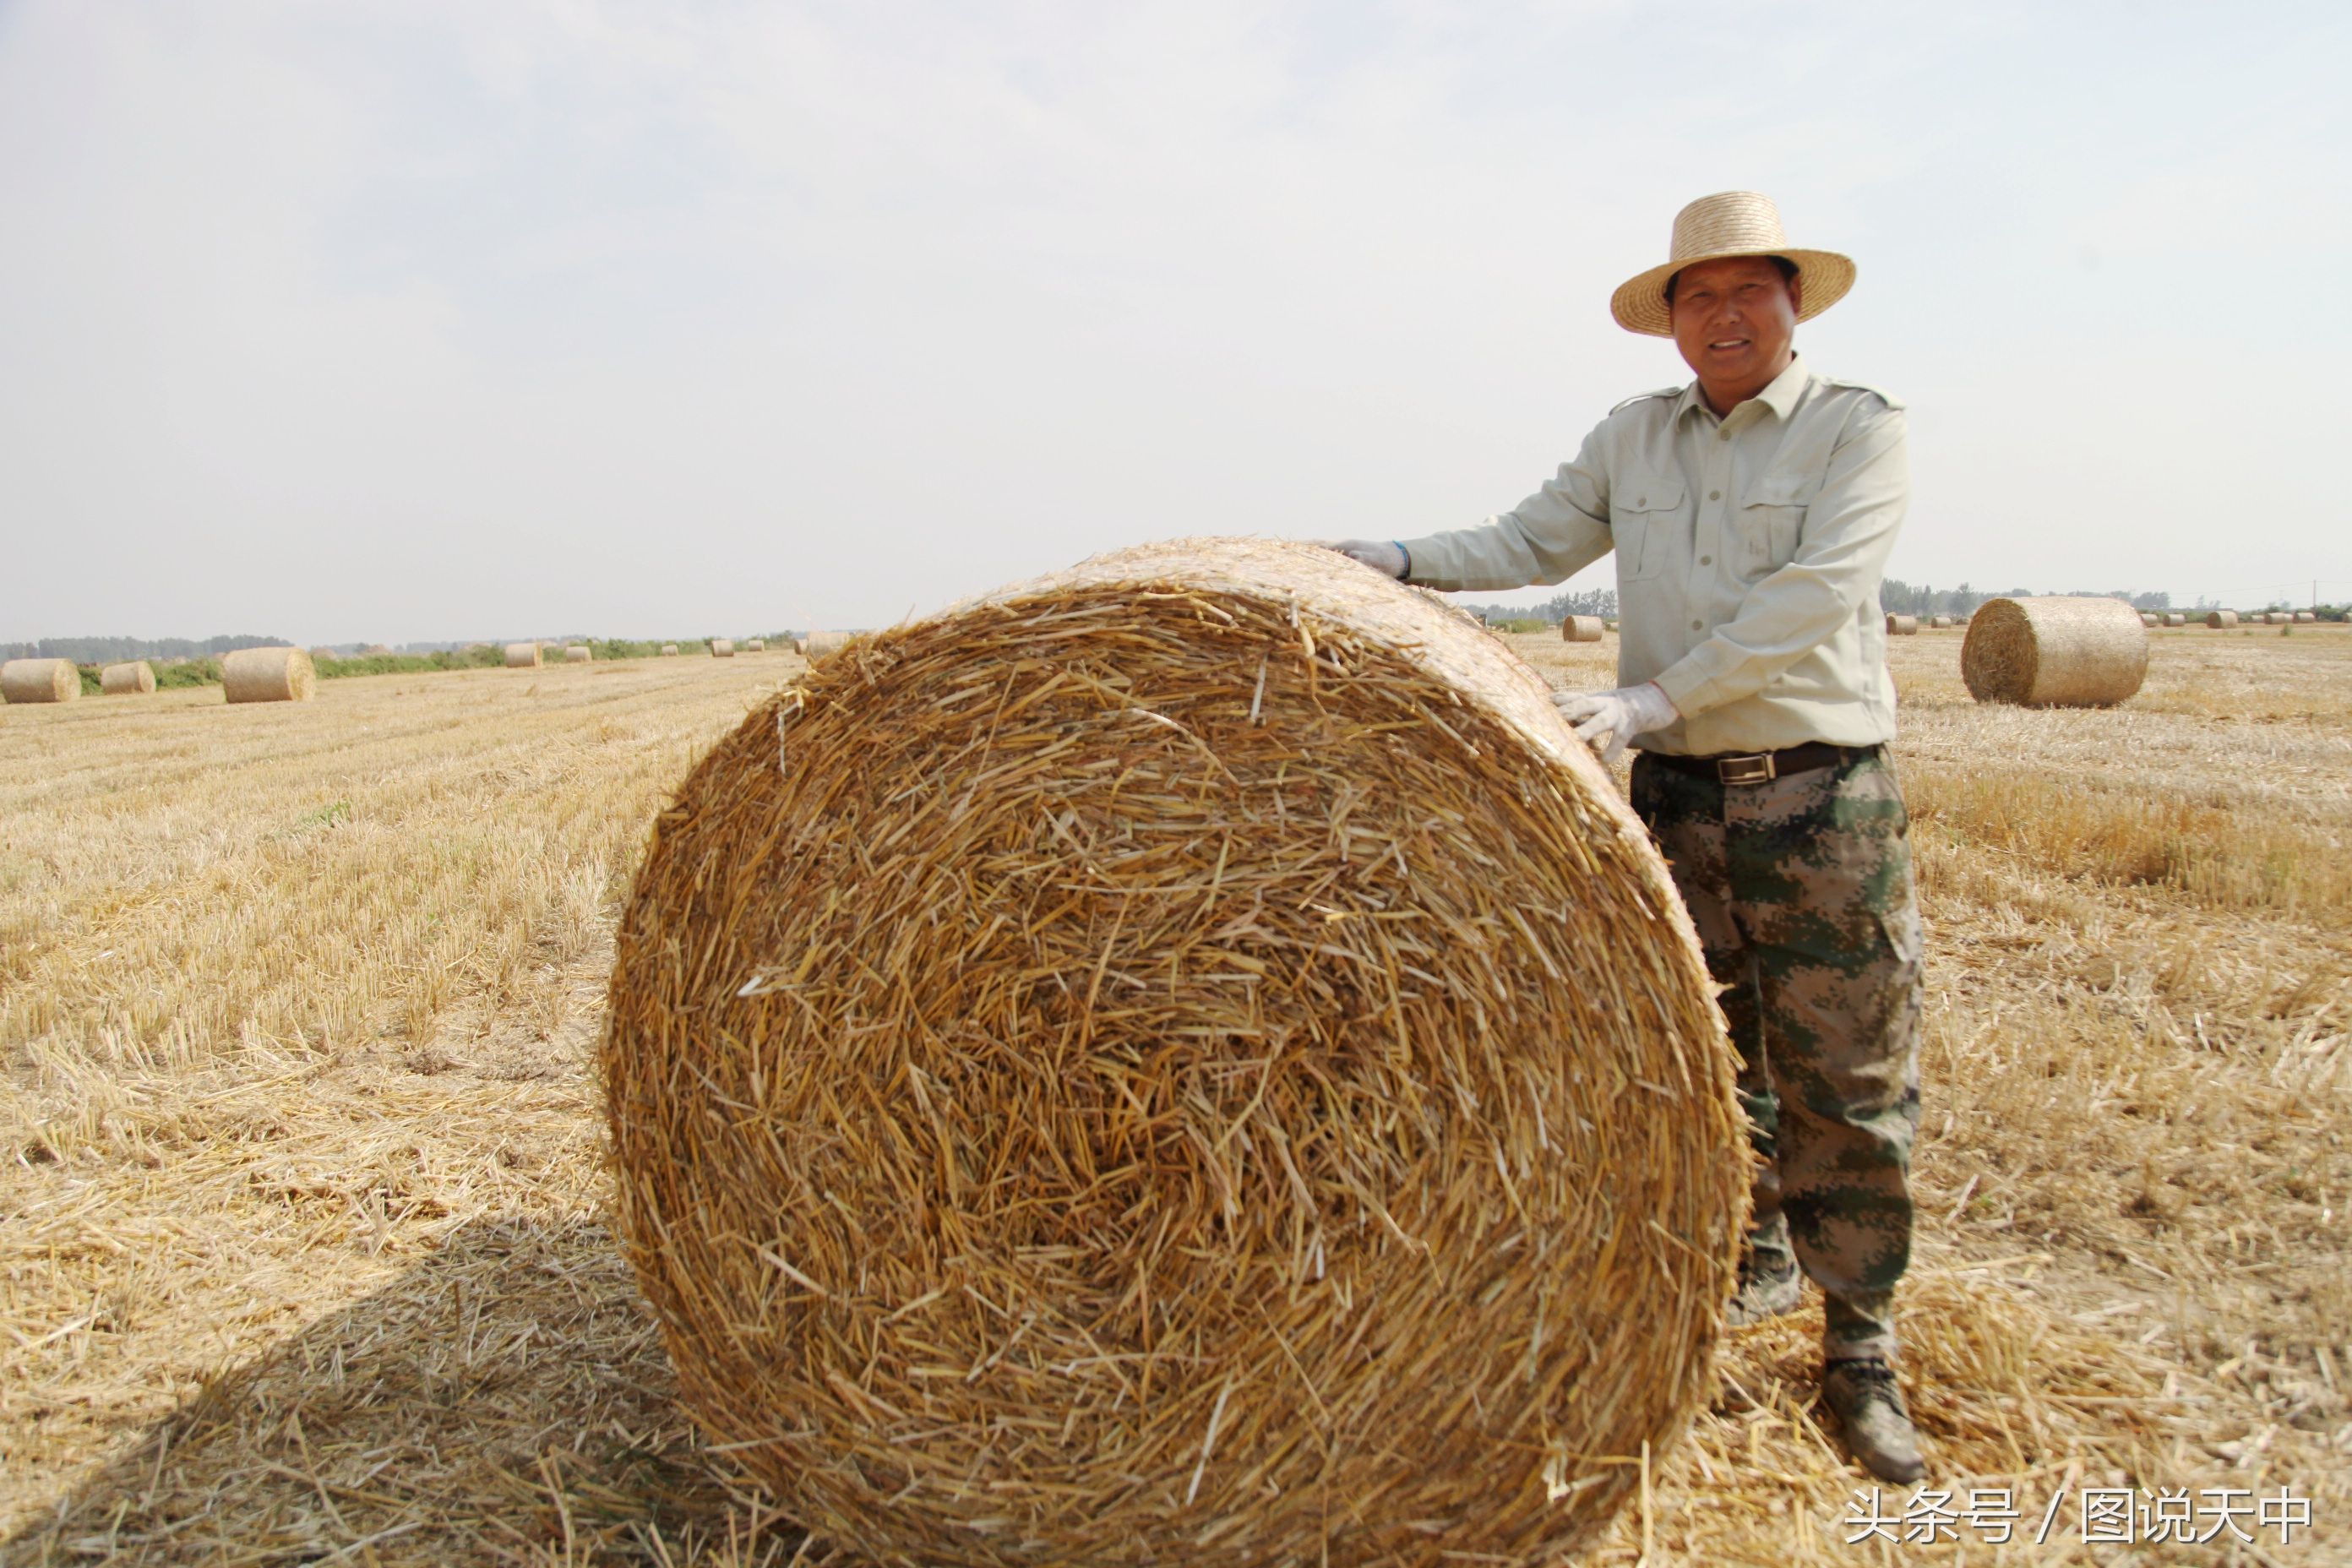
<point>394,319</point>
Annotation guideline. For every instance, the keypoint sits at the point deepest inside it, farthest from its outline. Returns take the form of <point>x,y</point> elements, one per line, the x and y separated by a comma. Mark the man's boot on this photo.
<point>1766,1291</point>
<point>1868,1403</point>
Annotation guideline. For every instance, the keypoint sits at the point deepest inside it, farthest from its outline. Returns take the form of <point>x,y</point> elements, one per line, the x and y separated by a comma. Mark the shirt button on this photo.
<point>1714,495</point>
<point>1641,501</point>
<point>1698,626</point>
<point>1706,560</point>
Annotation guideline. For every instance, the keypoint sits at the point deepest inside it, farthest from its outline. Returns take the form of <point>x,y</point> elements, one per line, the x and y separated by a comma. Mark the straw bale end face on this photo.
<point>1103,1073</point>
<point>1902,625</point>
<point>2054,651</point>
<point>40,681</point>
<point>269,675</point>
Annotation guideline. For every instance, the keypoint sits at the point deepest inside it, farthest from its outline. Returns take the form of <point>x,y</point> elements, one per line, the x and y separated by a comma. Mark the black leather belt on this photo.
<point>1763,767</point>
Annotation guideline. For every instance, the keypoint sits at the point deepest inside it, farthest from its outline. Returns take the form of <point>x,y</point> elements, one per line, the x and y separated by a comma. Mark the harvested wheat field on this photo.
<point>305,1258</point>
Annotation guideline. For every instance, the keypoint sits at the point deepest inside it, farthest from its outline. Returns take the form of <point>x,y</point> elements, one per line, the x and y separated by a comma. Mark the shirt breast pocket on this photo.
<point>1641,514</point>
<point>1772,521</point>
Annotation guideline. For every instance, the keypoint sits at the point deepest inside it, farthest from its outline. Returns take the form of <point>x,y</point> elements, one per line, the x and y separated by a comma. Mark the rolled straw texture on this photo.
<point>2146,620</point>
<point>2220,618</point>
<point>668,648</point>
<point>40,681</point>
<point>1188,1061</point>
<point>576,653</point>
<point>1902,625</point>
<point>822,644</point>
<point>1940,622</point>
<point>134,678</point>
<point>1580,628</point>
<point>2305,618</point>
<point>522,656</point>
<point>269,675</point>
<point>756,644</point>
<point>2054,652</point>
<point>723,647</point>
<point>2176,620</point>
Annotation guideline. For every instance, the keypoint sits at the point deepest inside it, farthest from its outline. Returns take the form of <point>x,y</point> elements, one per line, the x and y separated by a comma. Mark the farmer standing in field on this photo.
<point>1752,512</point>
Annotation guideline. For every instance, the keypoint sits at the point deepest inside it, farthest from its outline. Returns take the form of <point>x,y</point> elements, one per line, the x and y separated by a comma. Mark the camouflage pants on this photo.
<point>1801,892</point>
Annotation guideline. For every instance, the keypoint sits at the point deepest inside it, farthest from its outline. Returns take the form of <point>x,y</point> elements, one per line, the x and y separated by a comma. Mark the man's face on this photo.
<point>1734,319</point>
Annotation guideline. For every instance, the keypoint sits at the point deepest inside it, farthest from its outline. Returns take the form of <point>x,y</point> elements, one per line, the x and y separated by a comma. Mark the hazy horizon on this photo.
<point>430,322</point>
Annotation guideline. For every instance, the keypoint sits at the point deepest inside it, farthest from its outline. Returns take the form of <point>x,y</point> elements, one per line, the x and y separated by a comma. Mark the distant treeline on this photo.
<point>114,650</point>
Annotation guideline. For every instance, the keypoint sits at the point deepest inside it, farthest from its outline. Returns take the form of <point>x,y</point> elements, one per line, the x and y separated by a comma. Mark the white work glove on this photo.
<point>1382,555</point>
<point>1619,715</point>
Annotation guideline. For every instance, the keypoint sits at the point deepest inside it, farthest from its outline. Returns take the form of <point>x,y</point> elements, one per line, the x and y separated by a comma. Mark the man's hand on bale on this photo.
<point>1380,554</point>
<point>1618,716</point>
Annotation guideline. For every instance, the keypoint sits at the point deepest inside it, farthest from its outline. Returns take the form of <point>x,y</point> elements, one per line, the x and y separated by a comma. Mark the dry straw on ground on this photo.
<point>823,645</point>
<point>576,654</point>
<point>1185,1060</point>
<point>1580,628</point>
<point>39,680</point>
<point>269,675</point>
<point>132,678</point>
<point>723,647</point>
<point>2219,619</point>
<point>2054,651</point>
<point>1902,625</point>
<point>522,656</point>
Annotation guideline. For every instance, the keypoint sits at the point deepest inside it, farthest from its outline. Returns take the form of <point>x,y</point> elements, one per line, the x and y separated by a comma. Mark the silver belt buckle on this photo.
<point>1747,770</point>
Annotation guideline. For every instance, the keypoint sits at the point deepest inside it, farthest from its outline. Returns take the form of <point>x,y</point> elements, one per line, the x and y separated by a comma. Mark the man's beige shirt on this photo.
<point>1749,550</point>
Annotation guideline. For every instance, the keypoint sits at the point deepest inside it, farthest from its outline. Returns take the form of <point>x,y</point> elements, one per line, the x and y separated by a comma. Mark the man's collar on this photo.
<point>1779,395</point>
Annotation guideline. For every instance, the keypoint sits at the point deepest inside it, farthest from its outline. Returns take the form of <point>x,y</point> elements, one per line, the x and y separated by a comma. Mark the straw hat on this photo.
<point>1733,223</point>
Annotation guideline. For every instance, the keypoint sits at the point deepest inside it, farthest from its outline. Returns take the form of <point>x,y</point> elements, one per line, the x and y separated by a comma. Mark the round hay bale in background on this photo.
<point>320,653</point>
<point>375,649</point>
<point>1940,622</point>
<point>1580,628</point>
<point>522,656</point>
<point>2176,620</point>
<point>1902,625</point>
<point>269,675</point>
<point>668,648</point>
<point>134,677</point>
<point>2147,618</point>
<point>757,645</point>
<point>2054,651</point>
<point>2305,618</point>
<point>40,681</point>
<point>723,647</point>
<point>576,654</point>
<point>1187,1060</point>
<point>2219,619</point>
<point>820,645</point>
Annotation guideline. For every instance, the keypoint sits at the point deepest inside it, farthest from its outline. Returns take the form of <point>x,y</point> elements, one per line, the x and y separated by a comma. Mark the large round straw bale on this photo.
<point>756,644</point>
<point>578,654</point>
<point>2218,619</point>
<point>323,652</point>
<point>2146,620</point>
<point>2305,618</point>
<point>820,645</point>
<point>2174,618</point>
<point>269,675</point>
<point>40,681</point>
<point>668,648</point>
<point>723,647</point>
<point>1940,622</point>
<point>2054,651</point>
<point>133,678</point>
<point>1189,1060</point>
<point>1580,628</point>
<point>1902,625</point>
<point>522,656</point>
